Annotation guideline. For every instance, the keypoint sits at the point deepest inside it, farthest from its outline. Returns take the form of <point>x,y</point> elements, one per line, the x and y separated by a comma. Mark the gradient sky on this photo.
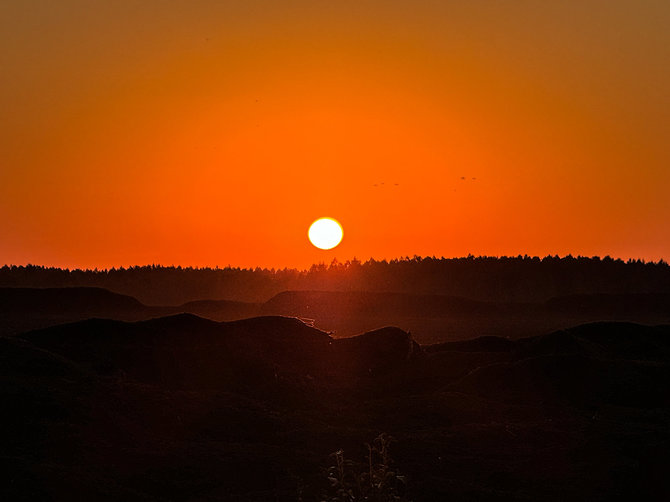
<point>206,132</point>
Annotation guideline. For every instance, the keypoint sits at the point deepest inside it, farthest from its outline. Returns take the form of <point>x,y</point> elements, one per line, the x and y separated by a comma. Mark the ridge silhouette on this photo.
<point>177,405</point>
<point>432,318</point>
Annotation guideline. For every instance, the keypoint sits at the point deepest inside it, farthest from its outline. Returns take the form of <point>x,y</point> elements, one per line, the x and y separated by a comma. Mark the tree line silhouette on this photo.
<point>520,278</point>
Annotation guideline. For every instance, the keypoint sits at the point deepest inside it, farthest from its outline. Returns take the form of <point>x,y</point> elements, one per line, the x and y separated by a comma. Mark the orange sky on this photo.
<point>206,132</point>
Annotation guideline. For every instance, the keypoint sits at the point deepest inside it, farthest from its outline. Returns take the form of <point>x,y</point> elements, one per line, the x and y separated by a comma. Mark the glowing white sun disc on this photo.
<point>325,233</point>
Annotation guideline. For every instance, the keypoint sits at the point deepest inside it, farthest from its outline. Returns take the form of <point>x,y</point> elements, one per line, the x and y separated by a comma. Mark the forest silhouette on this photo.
<point>506,279</point>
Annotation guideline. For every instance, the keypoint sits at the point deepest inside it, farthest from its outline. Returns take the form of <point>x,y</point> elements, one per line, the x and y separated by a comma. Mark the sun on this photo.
<point>325,233</point>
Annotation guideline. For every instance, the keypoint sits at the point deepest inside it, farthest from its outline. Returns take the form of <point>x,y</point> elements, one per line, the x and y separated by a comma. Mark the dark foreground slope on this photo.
<point>184,408</point>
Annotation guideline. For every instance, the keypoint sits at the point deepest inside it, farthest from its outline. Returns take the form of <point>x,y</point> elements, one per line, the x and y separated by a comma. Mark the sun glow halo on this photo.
<point>325,233</point>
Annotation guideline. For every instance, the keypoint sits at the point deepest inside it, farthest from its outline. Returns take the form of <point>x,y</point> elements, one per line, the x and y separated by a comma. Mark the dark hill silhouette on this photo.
<point>183,407</point>
<point>382,351</point>
<point>221,310</point>
<point>65,300</point>
<point>186,350</point>
<point>436,318</point>
<point>333,304</point>
<point>613,340</point>
<point>431,318</point>
<point>23,309</point>
<point>21,358</point>
<point>479,344</point>
<point>613,306</point>
<point>620,363</point>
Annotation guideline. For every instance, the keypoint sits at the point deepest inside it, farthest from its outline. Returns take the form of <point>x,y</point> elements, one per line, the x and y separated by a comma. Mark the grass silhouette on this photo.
<point>375,480</point>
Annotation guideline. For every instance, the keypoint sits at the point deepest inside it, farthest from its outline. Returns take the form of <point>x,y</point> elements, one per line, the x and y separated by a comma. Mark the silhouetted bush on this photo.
<point>376,480</point>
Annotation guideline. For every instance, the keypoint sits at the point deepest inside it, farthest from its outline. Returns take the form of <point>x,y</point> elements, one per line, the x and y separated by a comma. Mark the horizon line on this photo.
<point>337,262</point>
